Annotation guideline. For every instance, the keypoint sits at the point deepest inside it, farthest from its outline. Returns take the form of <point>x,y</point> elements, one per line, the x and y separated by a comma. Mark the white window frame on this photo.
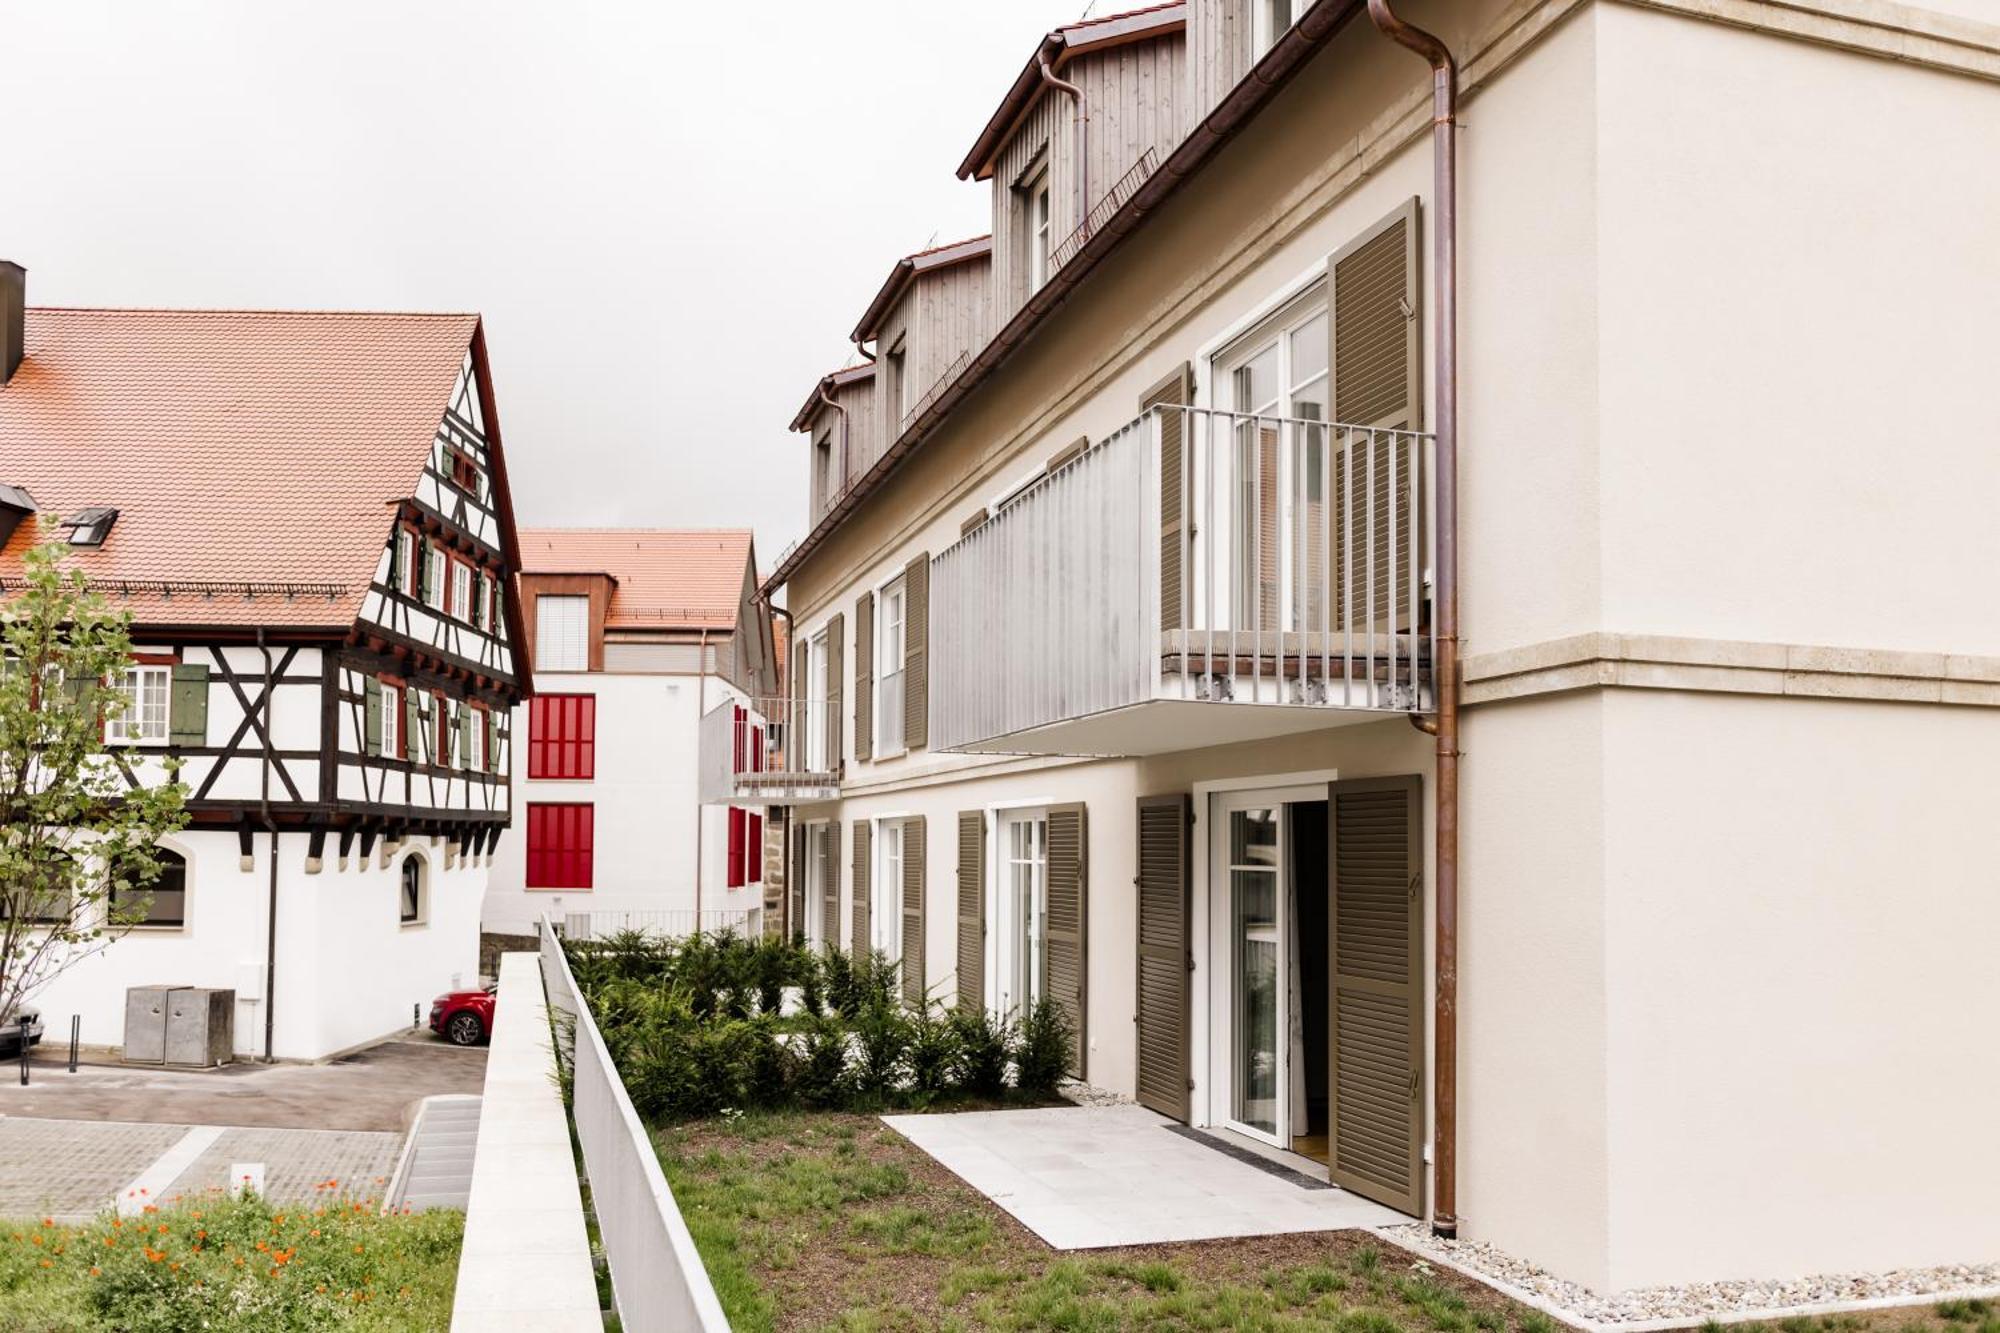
<point>545,642</point>
<point>1037,220</point>
<point>1270,19</point>
<point>434,579</point>
<point>1005,958</point>
<point>817,698</point>
<point>885,891</point>
<point>461,590</point>
<point>813,898</point>
<point>133,726</point>
<point>891,644</point>
<point>390,701</point>
<point>406,562</point>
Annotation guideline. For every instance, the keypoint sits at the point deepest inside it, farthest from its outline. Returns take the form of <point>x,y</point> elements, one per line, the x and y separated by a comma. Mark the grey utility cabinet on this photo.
<point>146,1024</point>
<point>201,1027</point>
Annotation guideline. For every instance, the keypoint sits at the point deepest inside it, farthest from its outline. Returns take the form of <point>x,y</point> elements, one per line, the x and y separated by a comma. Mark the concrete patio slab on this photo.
<point>1084,1177</point>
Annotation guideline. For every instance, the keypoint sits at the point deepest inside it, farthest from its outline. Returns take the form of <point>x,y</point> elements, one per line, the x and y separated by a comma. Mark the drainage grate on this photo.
<point>1248,1158</point>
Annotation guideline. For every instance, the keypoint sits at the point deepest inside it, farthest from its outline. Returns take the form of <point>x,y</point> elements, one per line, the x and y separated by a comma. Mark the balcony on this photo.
<point>746,757</point>
<point>1198,577</point>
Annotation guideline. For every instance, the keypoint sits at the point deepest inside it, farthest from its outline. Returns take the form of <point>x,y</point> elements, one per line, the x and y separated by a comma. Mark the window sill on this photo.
<point>413,925</point>
<point>157,930</point>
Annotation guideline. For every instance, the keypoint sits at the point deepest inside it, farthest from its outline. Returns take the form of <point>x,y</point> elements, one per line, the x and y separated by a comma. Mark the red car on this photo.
<point>463,1017</point>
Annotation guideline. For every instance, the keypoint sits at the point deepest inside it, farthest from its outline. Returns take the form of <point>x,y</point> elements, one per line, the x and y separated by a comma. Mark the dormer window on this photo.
<point>1035,226</point>
<point>1272,18</point>
<point>90,526</point>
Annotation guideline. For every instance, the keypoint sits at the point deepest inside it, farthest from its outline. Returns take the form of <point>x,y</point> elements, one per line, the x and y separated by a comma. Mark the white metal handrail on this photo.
<point>757,745</point>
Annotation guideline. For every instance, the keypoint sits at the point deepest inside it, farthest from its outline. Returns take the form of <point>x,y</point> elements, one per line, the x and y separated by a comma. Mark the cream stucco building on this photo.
<point>1102,631</point>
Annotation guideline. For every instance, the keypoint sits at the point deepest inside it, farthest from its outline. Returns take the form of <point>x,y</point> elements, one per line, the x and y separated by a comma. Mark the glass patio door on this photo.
<point>1252,866</point>
<point>1019,970</point>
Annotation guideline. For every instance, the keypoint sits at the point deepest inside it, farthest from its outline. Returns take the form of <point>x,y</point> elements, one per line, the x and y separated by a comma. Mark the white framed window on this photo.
<point>391,706</point>
<point>147,691</point>
<point>477,755</point>
<point>885,890</point>
<point>817,758</point>
<point>412,892</point>
<point>889,653</point>
<point>406,562</point>
<point>1270,19</point>
<point>434,576</point>
<point>461,590</point>
<point>562,633</point>
<point>1017,968</point>
<point>1037,228</point>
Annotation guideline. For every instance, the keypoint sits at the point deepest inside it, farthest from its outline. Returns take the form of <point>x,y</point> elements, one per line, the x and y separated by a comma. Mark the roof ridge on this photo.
<point>953,245</point>
<point>270,312</point>
<point>617,528</point>
<point>1122,14</point>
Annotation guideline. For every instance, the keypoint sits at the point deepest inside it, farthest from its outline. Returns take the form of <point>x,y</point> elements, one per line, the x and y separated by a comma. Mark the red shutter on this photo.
<point>757,751</point>
<point>560,839</point>
<point>736,832</point>
<point>562,736</point>
<point>586,736</point>
<point>753,869</point>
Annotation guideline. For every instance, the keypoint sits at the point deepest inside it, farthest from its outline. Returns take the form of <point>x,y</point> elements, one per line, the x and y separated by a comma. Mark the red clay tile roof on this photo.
<point>239,447</point>
<point>666,578</point>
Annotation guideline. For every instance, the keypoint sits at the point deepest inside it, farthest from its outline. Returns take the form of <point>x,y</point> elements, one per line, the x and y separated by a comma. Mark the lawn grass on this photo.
<point>815,1220</point>
<point>232,1265</point>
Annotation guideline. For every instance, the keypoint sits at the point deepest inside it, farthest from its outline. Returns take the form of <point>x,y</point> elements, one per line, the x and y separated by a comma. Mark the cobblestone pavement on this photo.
<point>296,1162</point>
<point>72,1169</point>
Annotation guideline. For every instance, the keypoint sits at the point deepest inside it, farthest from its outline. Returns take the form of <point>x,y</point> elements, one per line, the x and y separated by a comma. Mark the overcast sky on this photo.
<point>670,213</point>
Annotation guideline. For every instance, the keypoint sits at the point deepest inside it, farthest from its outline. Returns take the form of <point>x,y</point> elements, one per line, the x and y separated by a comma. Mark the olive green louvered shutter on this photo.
<point>913,910</point>
<point>836,660</point>
<point>492,741</point>
<point>371,716</point>
<point>1165,962</point>
<point>795,744</point>
<point>1065,947</point>
<point>795,881</point>
<point>465,734</point>
<point>916,655</point>
<point>396,559</point>
<point>829,879</point>
<point>864,671</point>
<point>1175,390</point>
<point>859,933</point>
<point>477,612</point>
<point>1375,353</point>
<point>1378,986</point>
<point>422,555</point>
<point>972,907</point>
<point>188,705</point>
<point>415,741</point>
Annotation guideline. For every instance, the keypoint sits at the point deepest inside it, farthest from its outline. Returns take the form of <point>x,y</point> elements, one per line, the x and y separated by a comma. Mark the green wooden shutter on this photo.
<point>859,932</point>
<point>423,558</point>
<point>1378,984</point>
<point>914,981</point>
<point>371,719</point>
<point>1175,390</point>
<point>465,734</point>
<point>972,907</point>
<point>476,613</point>
<point>415,741</point>
<point>1165,956</point>
<point>492,741</point>
<point>864,672</point>
<point>916,658</point>
<point>188,705</point>
<point>1375,354</point>
<point>1067,929</point>
<point>396,558</point>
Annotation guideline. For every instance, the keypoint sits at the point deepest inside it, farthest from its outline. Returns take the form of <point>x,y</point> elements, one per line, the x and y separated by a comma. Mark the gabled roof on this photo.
<point>1058,48</point>
<point>905,272</point>
<point>662,578</point>
<point>839,379</point>
<point>254,457</point>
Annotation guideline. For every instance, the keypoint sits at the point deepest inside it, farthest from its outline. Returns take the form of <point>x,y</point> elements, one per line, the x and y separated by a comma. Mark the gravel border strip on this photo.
<point>1701,1303</point>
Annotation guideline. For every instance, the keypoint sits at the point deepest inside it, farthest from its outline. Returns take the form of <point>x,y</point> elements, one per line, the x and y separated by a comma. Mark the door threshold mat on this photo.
<point>1249,1158</point>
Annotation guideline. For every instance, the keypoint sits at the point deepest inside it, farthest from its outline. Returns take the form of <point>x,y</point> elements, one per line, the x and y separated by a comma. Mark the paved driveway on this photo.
<point>74,1144</point>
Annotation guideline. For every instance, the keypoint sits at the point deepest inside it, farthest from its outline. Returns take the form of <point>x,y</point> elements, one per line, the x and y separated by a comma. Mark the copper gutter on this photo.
<point>828,400</point>
<point>1444,1021</point>
<point>1082,101</point>
<point>1301,42</point>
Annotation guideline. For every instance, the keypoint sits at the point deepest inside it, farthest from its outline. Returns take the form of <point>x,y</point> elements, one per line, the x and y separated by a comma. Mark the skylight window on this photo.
<point>89,527</point>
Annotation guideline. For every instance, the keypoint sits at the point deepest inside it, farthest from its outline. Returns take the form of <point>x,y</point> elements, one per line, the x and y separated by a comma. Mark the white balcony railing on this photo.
<point>1193,558</point>
<point>750,756</point>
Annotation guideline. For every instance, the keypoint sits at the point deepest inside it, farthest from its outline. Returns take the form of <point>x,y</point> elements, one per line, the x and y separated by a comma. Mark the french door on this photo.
<point>1017,969</point>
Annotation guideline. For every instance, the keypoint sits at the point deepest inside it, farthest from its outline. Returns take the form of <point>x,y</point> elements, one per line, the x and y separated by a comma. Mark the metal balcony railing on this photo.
<point>1194,556</point>
<point>1100,212</point>
<point>767,751</point>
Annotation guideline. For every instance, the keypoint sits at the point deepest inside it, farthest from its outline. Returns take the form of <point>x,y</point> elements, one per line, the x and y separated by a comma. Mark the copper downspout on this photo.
<point>1444,1023</point>
<point>1082,134</point>
<point>827,399</point>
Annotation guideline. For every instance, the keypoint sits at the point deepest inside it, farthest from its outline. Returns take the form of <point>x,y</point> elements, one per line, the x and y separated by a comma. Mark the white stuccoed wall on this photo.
<point>348,970</point>
<point>646,804</point>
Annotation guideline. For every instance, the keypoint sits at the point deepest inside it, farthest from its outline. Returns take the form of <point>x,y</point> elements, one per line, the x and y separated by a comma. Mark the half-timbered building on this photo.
<point>307,517</point>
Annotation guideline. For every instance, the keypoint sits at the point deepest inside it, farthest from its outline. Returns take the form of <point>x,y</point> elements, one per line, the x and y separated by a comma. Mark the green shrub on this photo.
<point>812,981</point>
<point>822,1076</point>
<point>936,1055</point>
<point>878,982</point>
<point>1042,1052</point>
<point>882,1049</point>
<point>985,1047</point>
<point>842,994</point>
<point>772,967</point>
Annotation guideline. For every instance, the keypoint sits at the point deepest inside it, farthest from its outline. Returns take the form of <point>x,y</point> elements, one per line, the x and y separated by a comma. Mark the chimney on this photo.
<point>13,317</point>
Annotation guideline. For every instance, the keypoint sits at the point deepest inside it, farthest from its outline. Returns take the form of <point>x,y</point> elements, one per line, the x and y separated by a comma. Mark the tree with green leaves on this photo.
<point>77,839</point>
